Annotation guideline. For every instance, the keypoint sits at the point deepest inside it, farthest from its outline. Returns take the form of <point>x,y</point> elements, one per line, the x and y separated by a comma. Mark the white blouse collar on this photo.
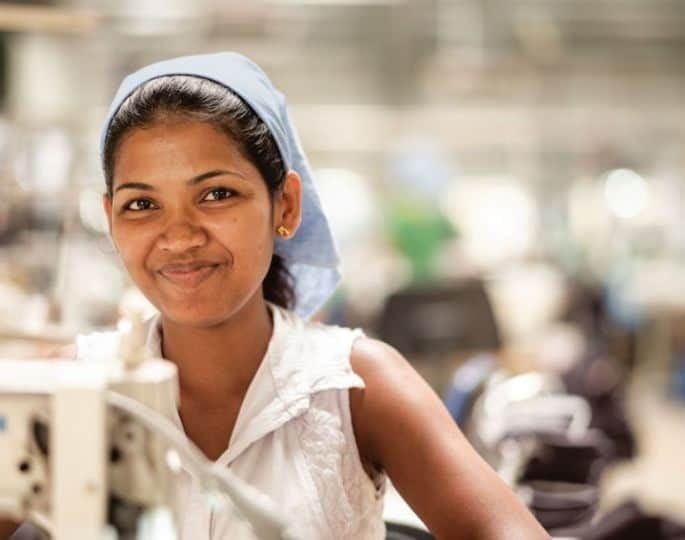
<point>263,408</point>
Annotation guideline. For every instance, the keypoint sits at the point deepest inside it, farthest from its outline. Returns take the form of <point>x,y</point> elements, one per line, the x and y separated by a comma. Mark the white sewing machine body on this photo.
<point>62,447</point>
<point>77,437</point>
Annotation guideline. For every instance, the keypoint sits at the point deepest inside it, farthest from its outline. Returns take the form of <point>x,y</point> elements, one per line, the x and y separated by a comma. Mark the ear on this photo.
<point>288,203</point>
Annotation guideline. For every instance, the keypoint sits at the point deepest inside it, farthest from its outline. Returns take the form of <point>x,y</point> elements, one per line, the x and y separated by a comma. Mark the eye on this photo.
<point>218,194</point>
<point>138,205</point>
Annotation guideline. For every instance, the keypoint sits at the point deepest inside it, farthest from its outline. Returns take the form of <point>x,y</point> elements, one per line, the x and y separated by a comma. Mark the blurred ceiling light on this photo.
<point>348,202</point>
<point>23,18</point>
<point>496,217</point>
<point>626,193</point>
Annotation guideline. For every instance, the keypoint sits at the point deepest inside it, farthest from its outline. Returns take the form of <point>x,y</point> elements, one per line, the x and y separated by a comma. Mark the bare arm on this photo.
<point>402,427</point>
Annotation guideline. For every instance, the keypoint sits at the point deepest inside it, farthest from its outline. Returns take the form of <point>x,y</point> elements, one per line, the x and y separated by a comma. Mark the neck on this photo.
<point>218,361</point>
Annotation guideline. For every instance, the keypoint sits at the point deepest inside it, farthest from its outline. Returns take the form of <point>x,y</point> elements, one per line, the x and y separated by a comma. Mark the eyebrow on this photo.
<point>192,182</point>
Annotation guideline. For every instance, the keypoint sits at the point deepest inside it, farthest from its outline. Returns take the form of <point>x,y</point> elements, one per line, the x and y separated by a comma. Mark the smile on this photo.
<point>188,276</point>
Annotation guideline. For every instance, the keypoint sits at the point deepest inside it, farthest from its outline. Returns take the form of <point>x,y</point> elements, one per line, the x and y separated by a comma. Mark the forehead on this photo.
<point>177,148</point>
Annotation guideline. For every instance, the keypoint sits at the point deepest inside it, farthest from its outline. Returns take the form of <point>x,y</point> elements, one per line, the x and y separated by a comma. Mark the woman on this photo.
<point>212,208</point>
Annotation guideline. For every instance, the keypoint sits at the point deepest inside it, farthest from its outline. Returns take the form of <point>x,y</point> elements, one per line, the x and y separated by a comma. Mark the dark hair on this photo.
<point>197,99</point>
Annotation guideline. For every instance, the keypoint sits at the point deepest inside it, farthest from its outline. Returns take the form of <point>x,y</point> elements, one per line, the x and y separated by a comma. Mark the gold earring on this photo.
<point>283,232</point>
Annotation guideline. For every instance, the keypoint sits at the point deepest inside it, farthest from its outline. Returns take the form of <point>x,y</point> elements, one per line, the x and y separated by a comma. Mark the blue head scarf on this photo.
<point>311,255</point>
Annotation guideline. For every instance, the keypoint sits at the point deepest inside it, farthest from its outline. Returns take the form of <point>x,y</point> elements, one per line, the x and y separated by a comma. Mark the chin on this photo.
<point>198,314</point>
<point>202,309</point>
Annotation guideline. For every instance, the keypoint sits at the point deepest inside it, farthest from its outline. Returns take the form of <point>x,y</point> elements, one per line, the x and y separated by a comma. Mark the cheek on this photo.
<point>248,237</point>
<point>132,245</point>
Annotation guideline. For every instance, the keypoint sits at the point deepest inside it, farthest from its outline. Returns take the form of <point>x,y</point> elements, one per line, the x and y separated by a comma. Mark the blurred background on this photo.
<point>505,180</point>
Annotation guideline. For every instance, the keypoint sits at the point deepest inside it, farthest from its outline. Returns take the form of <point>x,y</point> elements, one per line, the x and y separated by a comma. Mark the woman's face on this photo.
<point>193,221</point>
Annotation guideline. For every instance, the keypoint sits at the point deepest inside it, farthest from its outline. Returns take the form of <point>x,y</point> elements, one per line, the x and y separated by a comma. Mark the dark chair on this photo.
<point>439,319</point>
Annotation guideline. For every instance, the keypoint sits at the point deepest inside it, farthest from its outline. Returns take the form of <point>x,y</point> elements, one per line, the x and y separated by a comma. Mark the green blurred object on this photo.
<point>418,230</point>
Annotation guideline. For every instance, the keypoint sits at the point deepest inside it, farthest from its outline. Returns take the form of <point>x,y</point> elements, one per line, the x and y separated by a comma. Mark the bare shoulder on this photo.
<point>374,360</point>
<point>402,427</point>
<point>389,379</point>
<point>392,389</point>
<point>380,366</point>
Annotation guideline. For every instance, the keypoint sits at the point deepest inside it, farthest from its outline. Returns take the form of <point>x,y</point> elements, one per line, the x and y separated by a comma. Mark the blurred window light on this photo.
<point>348,202</point>
<point>497,218</point>
<point>626,193</point>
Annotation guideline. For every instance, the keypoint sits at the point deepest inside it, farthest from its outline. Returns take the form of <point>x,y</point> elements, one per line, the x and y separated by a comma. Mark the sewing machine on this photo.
<point>87,451</point>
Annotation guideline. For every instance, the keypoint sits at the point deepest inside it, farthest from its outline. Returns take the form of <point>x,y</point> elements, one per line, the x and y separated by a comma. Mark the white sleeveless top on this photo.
<point>293,438</point>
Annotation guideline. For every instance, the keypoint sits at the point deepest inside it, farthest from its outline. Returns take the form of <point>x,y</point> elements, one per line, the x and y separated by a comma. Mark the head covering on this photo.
<point>311,255</point>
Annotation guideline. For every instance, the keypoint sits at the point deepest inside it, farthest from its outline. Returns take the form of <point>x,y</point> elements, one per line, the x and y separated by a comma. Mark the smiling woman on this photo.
<point>218,131</point>
<point>212,207</point>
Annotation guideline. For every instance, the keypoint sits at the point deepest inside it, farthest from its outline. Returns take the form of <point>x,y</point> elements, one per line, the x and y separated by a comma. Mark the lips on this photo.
<point>188,275</point>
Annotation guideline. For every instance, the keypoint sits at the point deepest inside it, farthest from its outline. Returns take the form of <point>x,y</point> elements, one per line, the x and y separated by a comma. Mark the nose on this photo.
<point>181,236</point>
